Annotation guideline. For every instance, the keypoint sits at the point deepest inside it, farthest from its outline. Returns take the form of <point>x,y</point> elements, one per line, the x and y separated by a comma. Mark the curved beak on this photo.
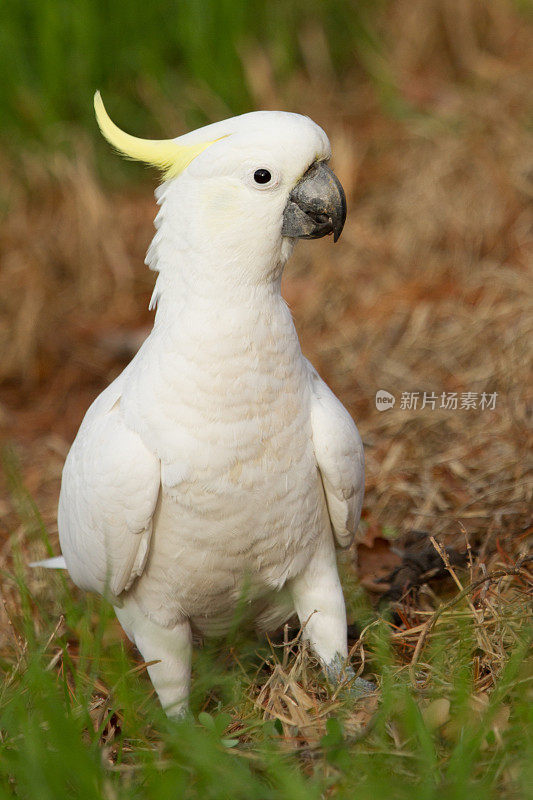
<point>317,205</point>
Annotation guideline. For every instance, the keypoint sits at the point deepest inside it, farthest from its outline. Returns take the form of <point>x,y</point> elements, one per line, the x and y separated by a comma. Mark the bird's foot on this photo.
<point>339,673</point>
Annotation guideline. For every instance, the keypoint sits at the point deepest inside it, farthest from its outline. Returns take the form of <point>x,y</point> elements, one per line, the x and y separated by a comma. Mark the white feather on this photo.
<point>340,458</point>
<point>58,562</point>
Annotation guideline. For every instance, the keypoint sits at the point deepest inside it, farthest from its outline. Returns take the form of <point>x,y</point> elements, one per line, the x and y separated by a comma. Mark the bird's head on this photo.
<point>240,191</point>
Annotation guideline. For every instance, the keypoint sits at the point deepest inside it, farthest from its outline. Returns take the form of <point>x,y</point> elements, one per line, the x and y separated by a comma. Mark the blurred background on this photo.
<point>428,107</point>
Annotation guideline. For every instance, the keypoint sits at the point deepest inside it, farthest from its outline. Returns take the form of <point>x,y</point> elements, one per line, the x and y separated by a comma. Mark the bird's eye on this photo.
<point>262,176</point>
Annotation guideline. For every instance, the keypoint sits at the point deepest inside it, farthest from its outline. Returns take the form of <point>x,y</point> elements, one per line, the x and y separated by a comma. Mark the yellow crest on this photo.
<point>165,154</point>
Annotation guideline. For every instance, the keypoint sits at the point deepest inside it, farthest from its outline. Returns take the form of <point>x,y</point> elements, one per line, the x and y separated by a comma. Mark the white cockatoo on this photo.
<point>219,464</point>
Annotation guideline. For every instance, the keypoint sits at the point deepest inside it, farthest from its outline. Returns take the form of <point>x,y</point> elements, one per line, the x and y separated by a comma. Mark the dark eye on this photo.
<point>262,176</point>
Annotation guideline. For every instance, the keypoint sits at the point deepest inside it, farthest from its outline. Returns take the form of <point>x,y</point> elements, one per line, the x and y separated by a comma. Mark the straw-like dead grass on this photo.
<point>493,606</point>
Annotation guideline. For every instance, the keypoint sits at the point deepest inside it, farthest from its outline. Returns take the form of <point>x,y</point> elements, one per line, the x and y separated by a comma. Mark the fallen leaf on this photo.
<point>376,561</point>
<point>437,713</point>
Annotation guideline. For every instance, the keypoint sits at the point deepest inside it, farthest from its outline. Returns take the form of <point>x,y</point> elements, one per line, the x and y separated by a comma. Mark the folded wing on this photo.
<point>340,459</point>
<point>109,493</point>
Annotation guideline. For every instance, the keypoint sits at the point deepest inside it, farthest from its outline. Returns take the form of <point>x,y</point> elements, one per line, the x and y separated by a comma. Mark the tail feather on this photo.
<point>50,563</point>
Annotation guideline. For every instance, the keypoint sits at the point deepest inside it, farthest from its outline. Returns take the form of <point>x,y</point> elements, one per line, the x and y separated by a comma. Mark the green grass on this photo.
<point>55,53</point>
<point>53,744</point>
<point>50,748</point>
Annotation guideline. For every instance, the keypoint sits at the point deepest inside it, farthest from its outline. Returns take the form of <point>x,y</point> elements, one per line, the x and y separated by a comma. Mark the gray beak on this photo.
<point>317,205</point>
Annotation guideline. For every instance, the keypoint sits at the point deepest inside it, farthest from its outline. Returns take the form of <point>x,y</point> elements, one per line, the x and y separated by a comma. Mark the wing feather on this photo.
<point>340,459</point>
<point>109,492</point>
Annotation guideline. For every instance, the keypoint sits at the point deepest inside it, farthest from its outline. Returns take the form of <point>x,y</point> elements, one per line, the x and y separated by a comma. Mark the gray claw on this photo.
<point>336,672</point>
<point>360,687</point>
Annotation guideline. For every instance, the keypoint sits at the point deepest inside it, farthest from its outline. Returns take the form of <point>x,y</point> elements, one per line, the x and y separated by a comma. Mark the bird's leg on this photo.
<point>171,648</point>
<point>319,603</point>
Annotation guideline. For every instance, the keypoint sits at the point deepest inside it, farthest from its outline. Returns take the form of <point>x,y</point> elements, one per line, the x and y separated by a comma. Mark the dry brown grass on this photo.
<point>427,291</point>
<point>496,606</point>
